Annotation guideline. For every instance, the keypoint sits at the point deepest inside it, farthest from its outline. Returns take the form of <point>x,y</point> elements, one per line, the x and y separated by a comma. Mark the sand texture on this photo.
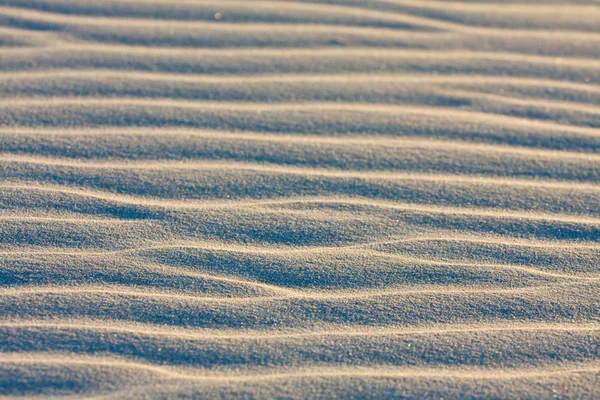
<point>299,199</point>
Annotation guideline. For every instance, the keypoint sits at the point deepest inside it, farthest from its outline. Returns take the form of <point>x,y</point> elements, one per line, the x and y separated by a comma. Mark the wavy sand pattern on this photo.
<point>299,199</point>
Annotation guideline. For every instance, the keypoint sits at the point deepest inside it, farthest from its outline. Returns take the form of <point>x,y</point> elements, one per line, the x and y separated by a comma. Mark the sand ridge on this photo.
<point>299,199</point>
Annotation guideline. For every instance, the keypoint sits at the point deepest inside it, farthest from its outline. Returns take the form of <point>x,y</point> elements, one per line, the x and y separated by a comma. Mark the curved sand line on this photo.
<point>530,102</point>
<point>339,372</point>
<point>64,219</point>
<point>392,15</point>
<point>302,171</point>
<point>265,6</point>
<point>358,250</point>
<point>87,20</point>
<point>230,280</point>
<point>233,204</point>
<point>241,335</point>
<point>307,140</point>
<point>496,7</point>
<point>437,25</point>
<point>346,78</point>
<point>534,8</point>
<point>347,53</point>
<point>319,107</point>
<point>287,294</point>
<point>292,250</point>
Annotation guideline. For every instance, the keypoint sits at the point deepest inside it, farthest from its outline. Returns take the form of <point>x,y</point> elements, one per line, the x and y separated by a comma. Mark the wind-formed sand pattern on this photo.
<point>299,199</point>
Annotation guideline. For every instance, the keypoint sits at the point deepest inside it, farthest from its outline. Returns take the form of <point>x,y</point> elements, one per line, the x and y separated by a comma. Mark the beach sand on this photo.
<point>299,199</point>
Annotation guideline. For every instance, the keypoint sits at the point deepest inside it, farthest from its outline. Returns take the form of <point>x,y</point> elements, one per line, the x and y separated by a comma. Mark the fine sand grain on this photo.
<point>299,199</point>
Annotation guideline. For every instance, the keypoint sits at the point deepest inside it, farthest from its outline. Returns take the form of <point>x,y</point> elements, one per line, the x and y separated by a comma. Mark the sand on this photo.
<point>299,199</point>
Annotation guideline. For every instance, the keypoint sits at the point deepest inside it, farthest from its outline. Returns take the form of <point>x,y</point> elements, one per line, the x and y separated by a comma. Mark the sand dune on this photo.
<point>299,199</point>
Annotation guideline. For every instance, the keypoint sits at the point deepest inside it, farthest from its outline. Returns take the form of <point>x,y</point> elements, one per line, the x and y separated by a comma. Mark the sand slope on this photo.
<point>299,199</point>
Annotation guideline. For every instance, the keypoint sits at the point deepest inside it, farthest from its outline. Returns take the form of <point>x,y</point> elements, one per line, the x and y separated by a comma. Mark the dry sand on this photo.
<point>299,199</point>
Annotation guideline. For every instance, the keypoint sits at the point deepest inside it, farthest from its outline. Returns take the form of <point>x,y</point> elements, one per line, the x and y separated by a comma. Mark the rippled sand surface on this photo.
<point>299,199</point>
